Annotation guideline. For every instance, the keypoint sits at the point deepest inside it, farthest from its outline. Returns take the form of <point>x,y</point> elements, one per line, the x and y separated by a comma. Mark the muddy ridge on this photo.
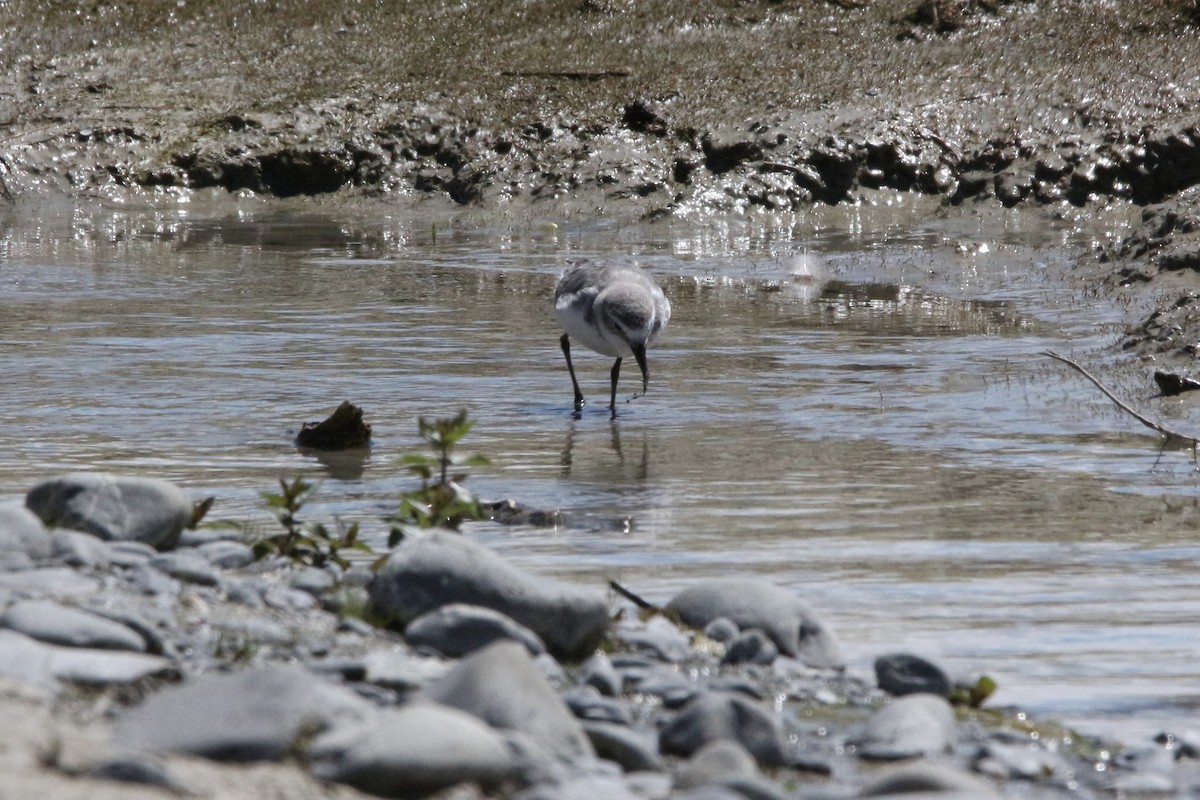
<point>605,107</point>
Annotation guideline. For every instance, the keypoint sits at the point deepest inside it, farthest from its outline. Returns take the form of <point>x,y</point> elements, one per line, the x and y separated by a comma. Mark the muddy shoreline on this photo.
<point>687,111</point>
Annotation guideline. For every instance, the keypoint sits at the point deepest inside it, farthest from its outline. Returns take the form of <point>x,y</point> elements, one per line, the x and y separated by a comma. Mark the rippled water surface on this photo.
<point>849,403</point>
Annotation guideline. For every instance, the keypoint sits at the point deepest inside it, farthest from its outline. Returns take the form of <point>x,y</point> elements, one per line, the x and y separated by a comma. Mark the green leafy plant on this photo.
<point>441,501</point>
<point>305,542</point>
<point>974,695</point>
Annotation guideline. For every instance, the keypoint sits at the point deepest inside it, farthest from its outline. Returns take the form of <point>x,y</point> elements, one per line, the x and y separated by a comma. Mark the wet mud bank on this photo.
<point>609,109</point>
<point>699,107</point>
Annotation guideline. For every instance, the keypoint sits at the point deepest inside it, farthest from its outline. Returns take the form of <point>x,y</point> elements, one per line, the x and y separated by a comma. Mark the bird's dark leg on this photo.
<point>566,348</point>
<point>616,373</point>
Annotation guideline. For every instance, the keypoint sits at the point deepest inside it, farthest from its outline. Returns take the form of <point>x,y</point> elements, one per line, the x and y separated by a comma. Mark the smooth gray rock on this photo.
<point>148,580</point>
<point>634,750</point>
<point>15,561</point>
<point>1021,761</point>
<point>113,507</point>
<point>253,714</point>
<point>598,672</point>
<point>129,554</point>
<point>29,660</point>
<point>79,549</point>
<point>187,566</point>
<point>414,751</point>
<point>658,637</point>
<point>402,671</point>
<point>501,686</point>
<point>899,674</point>
<point>288,599</point>
<point>722,629</point>
<point>458,629</point>
<point>137,768</point>
<point>669,686</point>
<point>434,570</point>
<point>751,647</point>
<point>711,791</point>
<point>588,704</point>
<point>582,787</point>
<point>778,613</point>
<point>924,779</point>
<point>712,716</point>
<point>56,624</point>
<point>49,581</point>
<point>716,762</point>
<point>908,727</point>
<point>25,659</point>
<point>226,554</point>
<point>314,581</point>
<point>22,531</point>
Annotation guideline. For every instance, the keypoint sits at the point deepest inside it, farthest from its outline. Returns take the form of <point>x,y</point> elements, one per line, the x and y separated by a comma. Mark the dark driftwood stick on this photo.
<point>1149,423</point>
<point>636,599</point>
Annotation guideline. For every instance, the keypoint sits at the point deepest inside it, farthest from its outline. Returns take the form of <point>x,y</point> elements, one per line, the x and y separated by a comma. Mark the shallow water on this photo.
<point>850,403</point>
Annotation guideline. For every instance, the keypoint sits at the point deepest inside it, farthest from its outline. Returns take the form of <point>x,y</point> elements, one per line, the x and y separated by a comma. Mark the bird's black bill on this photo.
<point>639,353</point>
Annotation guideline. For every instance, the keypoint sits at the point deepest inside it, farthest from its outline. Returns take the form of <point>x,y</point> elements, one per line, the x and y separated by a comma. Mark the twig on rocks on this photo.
<point>1193,441</point>
<point>633,597</point>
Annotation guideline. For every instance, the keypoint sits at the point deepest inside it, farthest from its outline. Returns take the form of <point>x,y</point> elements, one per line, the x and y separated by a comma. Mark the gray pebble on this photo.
<point>1020,761</point>
<point>15,561</point>
<point>187,566</point>
<point>52,581</point>
<point>245,593</point>
<point>633,750</point>
<point>256,630</point>
<point>43,664</point>
<point>199,537</point>
<point>313,580</point>
<point>657,637</point>
<point>926,779</point>
<point>21,531</point>
<point>113,507</point>
<point>714,715</point>
<point>778,613</point>
<point>79,549</point>
<point>908,727</point>
<point>252,714</point>
<point>148,580</point>
<point>226,554</point>
<point>598,672</point>
<point>56,624</point>
<point>129,554</point>
<point>457,629</point>
<point>414,751</point>
<point>711,791</point>
<point>899,674</point>
<point>430,571</point>
<point>716,762</point>
<point>501,686</point>
<point>288,599</point>
<point>402,671</point>
<point>751,647</point>
<point>721,629</point>
<point>136,768</point>
<point>670,687</point>
<point>588,704</point>
<point>581,787</point>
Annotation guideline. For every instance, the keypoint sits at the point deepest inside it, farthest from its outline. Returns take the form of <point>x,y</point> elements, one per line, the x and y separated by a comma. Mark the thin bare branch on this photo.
<point>1149,423</point>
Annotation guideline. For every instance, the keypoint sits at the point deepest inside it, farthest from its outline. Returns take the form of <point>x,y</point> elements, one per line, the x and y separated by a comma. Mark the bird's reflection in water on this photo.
<point>642,466</point>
